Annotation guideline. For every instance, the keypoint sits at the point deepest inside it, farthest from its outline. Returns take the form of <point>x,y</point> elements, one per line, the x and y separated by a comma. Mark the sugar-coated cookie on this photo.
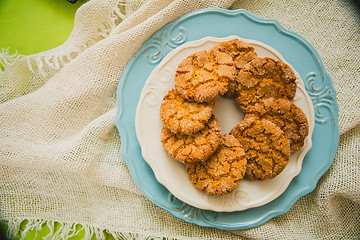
<point>223,171</point>
<point>286,115</point>
<point>237,51</point>
<point>263,78</point>
<point>182,116</point>
<point>266,147</point>
<point>201,78</point>
<point>195,147</point>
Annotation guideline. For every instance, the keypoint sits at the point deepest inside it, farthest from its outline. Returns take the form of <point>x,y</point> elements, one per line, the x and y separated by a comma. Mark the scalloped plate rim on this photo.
<point>276,211</point>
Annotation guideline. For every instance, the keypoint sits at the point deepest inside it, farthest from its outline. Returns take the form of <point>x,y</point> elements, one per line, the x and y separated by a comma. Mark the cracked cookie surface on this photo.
<point>286,115</point>
<point>195,147</point>
<point>182,116</point>
<point>263,78</point>
<point>201,78</point>
<point>223,171</point>
<point>237,51</point>
<point>267,149</point>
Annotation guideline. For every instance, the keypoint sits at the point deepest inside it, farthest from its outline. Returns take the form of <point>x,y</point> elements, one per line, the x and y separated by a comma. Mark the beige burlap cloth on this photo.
<point>59,147</point>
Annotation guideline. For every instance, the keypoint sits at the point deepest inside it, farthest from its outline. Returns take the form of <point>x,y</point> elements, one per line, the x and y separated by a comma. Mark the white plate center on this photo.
<point>227,113</point>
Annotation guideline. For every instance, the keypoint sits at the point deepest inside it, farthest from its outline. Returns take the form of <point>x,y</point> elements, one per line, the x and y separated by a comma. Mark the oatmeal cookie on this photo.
<point>267,149</point>
<point>286,115</point>
<point>263,78</point>
<point>195,147</point>
<point>223,171</point>
<point>201,78</point>
<point>237,51</point>
<point>182,116</point>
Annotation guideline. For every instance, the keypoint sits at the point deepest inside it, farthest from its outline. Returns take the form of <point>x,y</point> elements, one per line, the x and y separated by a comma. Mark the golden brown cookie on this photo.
<point>195,147</point>
<point>286,115</point>
<point>263,78</point>
<point>237,51</point>
<point>267,149</point>
<point>182,116</point>
<point>200,78</point>
<point>223,171</point>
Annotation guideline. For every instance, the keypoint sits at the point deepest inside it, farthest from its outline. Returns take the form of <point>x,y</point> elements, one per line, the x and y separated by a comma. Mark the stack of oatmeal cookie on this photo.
<point>259,147</point>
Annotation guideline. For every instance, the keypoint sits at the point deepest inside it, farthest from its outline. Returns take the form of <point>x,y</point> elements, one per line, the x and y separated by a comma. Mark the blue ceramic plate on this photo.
<point>222,23</point>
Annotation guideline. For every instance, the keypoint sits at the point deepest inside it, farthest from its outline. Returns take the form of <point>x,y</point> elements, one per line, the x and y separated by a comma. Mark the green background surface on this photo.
<point>28,27</point>
<point>32,26</point>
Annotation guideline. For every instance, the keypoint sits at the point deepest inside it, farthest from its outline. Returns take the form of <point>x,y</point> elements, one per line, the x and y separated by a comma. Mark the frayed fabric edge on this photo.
<point>19,228</point>
<point>8,59</point>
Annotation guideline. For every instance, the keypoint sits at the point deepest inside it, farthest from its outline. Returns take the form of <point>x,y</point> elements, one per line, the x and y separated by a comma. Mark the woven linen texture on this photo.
<point>60,150</point>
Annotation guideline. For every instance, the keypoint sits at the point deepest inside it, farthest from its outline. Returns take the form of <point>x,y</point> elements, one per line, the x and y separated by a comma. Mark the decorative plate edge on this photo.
<point>325,79</point>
